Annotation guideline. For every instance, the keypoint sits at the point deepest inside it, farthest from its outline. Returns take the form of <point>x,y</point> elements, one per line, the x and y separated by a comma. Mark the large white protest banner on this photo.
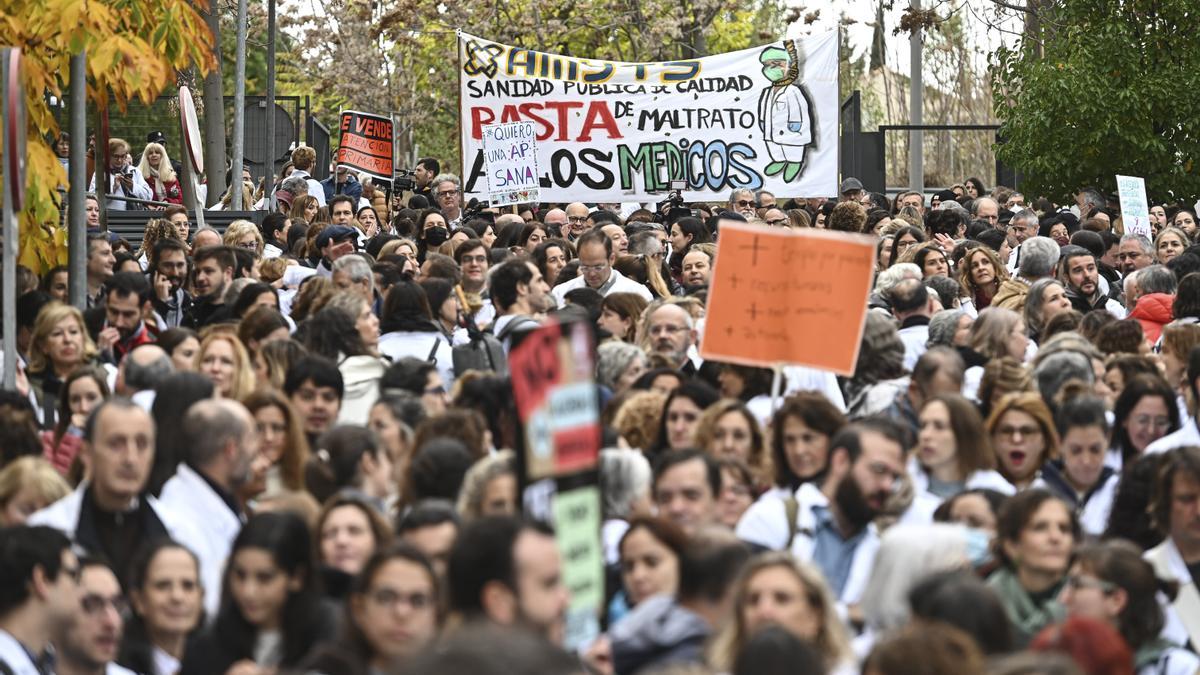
<point>761,118</point>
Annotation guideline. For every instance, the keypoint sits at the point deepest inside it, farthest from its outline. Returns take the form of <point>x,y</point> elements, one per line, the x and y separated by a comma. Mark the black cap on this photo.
<point>156,137</point>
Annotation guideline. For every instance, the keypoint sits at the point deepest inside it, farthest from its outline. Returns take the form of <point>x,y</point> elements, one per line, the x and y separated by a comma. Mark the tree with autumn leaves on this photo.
<point>135,48</point>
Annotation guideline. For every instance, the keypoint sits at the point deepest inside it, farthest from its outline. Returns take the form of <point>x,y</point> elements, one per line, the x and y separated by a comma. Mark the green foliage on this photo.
<point>1109,94</point>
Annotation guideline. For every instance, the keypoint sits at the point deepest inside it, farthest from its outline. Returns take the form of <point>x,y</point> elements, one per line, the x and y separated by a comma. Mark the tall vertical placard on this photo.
<point>553,384</point>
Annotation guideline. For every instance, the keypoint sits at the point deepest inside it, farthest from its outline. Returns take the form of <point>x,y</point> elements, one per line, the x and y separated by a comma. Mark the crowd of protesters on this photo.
<point>292,447</point>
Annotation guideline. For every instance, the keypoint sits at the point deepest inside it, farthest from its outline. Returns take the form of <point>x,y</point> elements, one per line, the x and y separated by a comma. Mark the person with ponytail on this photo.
<point>1111,582</point>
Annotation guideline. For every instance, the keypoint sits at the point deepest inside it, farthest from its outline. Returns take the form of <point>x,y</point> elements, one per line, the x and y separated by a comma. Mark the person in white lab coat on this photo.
<point>784,114</point>
<point>40,594</point>
<point>111,512</point>
<point>222,443</point>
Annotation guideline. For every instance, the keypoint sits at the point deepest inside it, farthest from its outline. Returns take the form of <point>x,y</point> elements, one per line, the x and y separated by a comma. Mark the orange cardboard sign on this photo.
<point>795,296</point>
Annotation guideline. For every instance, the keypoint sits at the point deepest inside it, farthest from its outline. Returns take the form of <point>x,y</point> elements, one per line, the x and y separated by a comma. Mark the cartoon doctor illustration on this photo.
<point>784,113</point>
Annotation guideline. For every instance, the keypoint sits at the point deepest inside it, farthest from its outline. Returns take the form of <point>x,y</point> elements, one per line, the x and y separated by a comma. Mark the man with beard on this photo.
<point>1079,273</point>
<point>222,442</point>
<point>672,335</point>
<point>833,522</point>
<point>518,292</point>
<point>741,202</point>
<point>168,272</point>
<point>117,326</point>
<point>508,572</point>
<point>213,274</point>
<point>88,645</point>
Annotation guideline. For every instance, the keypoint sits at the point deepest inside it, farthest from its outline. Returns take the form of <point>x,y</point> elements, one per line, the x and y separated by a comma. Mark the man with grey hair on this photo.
<point>1022,226</point>
<point>221,445</point>
<point>297,186</point>
<point>741,202</point>
<point>1155,288</point>
<point>1039,260</point>
<point>141,371</point>
<point>625,477</point>
<point>1134,252</point>
<point>1088,201</point>
<point>879,298</point>
<point>672,335</point>
<point>447,195</point>
<point>353,273</point>
<point>986,208</point>
<point>1054,371</point>
<point>556,218</point>
<point>646,243</point>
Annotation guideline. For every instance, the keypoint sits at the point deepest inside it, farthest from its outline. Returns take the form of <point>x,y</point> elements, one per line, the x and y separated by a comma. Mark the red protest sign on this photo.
<point>782,295</point>
<point>556,400</point>
<point>366,144</point>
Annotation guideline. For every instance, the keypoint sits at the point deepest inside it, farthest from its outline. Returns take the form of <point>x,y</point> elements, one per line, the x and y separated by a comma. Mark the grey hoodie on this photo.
<point>657,632</point>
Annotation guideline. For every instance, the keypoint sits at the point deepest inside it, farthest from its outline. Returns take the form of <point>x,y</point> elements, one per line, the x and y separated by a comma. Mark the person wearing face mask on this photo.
<point>432,232</point>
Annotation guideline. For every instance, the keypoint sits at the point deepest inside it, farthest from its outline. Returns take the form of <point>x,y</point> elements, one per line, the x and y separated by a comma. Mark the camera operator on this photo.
<point>124,179</point>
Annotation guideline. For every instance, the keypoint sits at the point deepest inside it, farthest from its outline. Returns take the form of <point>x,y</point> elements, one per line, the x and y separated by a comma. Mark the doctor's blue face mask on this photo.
<point>979,547</point>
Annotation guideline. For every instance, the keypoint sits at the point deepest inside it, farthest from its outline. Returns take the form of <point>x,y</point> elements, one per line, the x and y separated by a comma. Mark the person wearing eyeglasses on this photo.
<point>447,193</point>
<point>88,644</point>
<point>741,201</point>
<point>596,258</point>
<point>41,579</point>
<point>576,221</point>
<point>834,525</point>
<point>1110,582</point>
<point>1024,437</point>
<point>393,612</point>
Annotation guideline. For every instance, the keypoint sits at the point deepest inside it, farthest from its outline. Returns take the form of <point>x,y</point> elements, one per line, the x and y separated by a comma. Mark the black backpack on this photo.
<point>485,351</point>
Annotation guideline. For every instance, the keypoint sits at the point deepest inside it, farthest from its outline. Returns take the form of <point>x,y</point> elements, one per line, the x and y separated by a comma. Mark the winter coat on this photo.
<point>657,632</point>
<point>1011,295</point>
<point>1153,311</point>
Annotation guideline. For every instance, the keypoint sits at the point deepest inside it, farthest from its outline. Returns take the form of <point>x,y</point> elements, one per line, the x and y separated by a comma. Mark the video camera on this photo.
<point>475,210</point>
<point>403,180</point>
<point>672,208</point>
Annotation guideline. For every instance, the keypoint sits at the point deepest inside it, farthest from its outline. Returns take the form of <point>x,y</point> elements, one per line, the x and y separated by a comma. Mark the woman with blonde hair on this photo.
<point>638,419</point>
<point>156,229</point>
<point>224,361</point>
<point>1169,243</point>
<point>60,343</point>
<point>776,589</point>
<point>27,485</point>
<point>489,487</point>
<point>1024,437</point>
<point>727,428</point>
<point>160,175</point>
<point>244,234</point>
<point>997,333</point>
<point>308,209</point>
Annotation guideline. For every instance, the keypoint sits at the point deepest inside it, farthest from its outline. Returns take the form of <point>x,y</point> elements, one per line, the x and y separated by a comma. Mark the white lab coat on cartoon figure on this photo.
<point>787,129</point>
